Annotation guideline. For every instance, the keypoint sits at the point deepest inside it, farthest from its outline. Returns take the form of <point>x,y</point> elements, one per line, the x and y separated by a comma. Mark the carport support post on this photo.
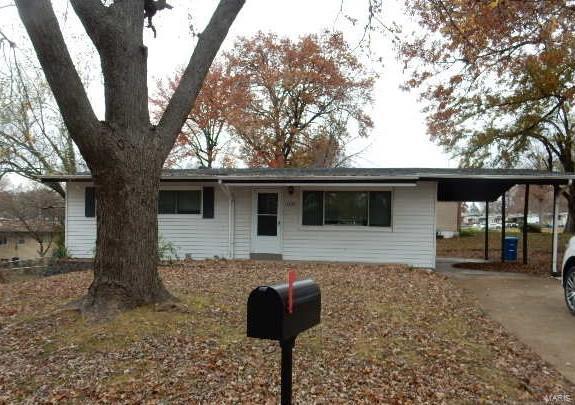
<point>486,230</point>
<point>287,361</point>
<point>525,229</point>
<point>503,227</point>
<point>554,272</point>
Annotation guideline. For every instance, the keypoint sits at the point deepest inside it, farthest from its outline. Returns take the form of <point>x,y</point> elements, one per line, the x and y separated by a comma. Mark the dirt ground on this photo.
<point>472,247</point>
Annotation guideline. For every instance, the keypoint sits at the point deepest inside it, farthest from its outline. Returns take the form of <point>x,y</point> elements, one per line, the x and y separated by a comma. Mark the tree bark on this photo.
<point>125,267</point>
<point>125,153</point>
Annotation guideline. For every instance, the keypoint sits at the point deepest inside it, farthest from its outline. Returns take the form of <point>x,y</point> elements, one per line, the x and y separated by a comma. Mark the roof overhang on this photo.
<point>452,184</point>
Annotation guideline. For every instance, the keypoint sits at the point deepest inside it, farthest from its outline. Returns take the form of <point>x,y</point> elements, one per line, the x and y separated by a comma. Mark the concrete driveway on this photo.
<point>530,307</point>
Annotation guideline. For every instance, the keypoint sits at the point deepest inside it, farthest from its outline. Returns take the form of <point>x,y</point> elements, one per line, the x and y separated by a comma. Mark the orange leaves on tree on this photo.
<point>300,95</point>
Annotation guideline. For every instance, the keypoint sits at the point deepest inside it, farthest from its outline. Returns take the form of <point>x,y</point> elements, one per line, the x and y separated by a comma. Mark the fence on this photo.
<point>44,267</point>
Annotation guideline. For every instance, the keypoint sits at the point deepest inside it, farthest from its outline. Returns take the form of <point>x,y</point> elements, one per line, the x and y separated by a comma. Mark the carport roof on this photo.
<point>453,184</point>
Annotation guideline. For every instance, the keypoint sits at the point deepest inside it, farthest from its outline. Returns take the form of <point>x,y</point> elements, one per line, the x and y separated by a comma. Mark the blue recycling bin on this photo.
<point>510,248</point>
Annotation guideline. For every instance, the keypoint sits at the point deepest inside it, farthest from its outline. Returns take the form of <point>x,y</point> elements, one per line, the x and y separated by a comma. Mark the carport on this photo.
<point>487,185</point>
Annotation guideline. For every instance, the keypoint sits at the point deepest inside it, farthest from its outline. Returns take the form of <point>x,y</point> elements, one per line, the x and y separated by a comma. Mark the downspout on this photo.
<point>231,217</point>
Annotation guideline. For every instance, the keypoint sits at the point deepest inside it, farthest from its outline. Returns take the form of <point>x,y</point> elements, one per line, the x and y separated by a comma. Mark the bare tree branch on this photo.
<point>42,26</point>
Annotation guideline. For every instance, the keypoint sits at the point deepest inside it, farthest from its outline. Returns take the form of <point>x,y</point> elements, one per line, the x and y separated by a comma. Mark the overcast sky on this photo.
<point>398,139</point>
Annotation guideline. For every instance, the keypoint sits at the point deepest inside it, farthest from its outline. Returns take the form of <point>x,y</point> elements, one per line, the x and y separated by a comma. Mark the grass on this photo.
<point>472,246</point>
<point>388,334</point>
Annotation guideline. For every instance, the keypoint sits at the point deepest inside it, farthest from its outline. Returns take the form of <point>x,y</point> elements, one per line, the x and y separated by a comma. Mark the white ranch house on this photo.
<point>343,214</point>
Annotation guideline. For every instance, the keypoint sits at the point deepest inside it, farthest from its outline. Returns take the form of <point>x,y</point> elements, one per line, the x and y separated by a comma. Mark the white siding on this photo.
<point>411,240</point>
<point>190,234</point>
<point>196,236</point>
<point>80,231</point>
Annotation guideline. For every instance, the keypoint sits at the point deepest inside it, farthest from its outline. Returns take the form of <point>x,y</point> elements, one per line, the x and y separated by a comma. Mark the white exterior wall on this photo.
<point>80,231</point>
<point>189,233</point>
<point>410,240</point>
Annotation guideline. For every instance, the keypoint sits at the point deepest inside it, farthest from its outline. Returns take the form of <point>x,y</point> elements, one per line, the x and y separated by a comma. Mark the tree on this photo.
<point>33,138</point>
<point>40,211</point>
<point>124,152</point>
<point>300,97</point>
<point>203,136</point>
<point>498,80</point>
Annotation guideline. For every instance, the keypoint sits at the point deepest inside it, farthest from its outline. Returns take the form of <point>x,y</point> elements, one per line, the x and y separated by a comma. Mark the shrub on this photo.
<point>60,250</point>
<point>533,228</point>
<point>465,232</point>
<point>166,250</point>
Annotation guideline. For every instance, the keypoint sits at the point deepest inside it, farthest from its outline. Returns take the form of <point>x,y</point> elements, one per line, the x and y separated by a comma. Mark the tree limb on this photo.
<point>191,82</point>
<point>42,27</point>
<point>92,14</point>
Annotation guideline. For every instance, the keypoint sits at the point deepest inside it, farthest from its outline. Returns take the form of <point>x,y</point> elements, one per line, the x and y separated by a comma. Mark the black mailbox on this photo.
<point>269,316</point>
<point>279,312</point>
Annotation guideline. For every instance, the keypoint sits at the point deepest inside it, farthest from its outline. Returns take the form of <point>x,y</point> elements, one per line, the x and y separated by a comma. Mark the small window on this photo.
<point>267,214</point>
<point>189,202</point>
<point>179,202</point>
<point>21,241</point>
<point>3,240</point>
<point>167,202</point>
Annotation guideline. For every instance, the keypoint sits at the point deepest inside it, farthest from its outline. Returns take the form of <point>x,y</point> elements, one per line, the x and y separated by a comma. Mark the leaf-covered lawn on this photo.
<point>388,334</point>
<point>472,247</point>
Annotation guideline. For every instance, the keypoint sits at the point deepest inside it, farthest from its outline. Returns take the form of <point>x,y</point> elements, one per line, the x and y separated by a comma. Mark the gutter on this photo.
<point>231,218</point>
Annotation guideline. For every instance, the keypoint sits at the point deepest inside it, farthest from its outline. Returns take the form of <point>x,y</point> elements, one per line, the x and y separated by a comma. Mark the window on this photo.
<point>345,208</point>
<point>180,202</point>
<point>3,240</point>
<point>312,203</point>
<point>21,241</point>
<point>267,214</point>
<point>380,208</point>
<point>355,208</point>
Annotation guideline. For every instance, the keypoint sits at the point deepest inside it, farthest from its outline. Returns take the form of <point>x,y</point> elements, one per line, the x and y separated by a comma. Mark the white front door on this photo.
<point>266,234</point>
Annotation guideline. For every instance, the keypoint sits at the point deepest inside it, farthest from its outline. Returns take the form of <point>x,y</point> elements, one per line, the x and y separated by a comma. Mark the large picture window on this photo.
<point>180,202</point>
<point>352,208</point>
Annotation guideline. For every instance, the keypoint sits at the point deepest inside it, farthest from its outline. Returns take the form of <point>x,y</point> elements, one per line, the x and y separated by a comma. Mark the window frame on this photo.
<point>178,189</point>
<point>353,228</point>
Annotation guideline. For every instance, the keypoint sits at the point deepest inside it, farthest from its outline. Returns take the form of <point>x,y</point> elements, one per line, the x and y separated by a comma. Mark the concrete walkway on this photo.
<point>530,307</point>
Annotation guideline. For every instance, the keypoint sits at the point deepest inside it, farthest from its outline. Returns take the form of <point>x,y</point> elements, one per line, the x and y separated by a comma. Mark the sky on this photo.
<point>399,137</point>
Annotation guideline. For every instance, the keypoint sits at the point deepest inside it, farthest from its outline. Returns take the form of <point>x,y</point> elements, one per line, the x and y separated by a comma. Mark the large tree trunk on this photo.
<point>125,268</point>
<point>125,153</point>
<point>570,225</point>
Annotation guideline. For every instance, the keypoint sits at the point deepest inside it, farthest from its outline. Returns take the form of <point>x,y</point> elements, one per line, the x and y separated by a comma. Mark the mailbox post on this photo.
<point>281,313</point>
<point>286,373</point>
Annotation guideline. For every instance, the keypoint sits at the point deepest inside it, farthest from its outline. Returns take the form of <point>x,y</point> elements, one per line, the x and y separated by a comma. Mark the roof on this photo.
<point>16,226</point>
<point>453,184</point>
<point>330,173</point>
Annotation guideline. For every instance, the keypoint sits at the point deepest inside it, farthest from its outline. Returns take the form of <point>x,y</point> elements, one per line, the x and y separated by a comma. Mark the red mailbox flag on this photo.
<point>291,281</point>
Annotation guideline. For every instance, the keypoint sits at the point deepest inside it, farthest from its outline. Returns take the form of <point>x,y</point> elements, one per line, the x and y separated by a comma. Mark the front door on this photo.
<point>267,217</point>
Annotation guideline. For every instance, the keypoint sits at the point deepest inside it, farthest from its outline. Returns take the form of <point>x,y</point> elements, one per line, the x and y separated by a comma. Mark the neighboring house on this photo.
<point>343,214</point>
<point>561,219</point>
<point>17,243</point>
<point>448,218</point>
<point>472,219</point>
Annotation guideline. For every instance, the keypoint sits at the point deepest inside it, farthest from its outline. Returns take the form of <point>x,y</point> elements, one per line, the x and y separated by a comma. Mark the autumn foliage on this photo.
<point>203,134</point>
<point>302,94</point>
<point>497,79</point>
<point>280,102</point>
